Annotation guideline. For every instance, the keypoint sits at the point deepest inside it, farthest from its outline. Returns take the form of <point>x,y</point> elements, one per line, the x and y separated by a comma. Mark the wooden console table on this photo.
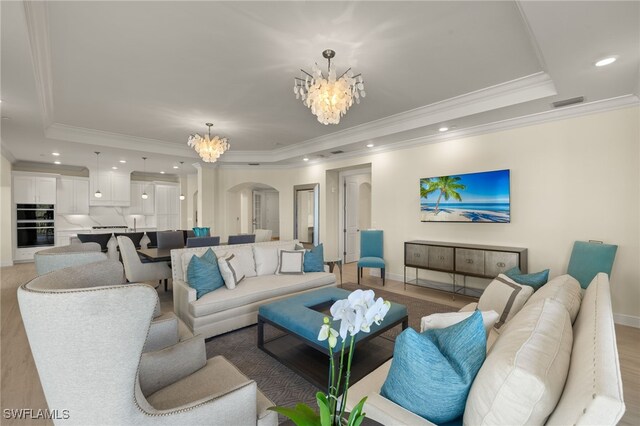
<point>471,260</point>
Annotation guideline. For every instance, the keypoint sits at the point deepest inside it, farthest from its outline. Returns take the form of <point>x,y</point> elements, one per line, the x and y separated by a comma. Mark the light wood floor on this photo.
<point>20,386</point>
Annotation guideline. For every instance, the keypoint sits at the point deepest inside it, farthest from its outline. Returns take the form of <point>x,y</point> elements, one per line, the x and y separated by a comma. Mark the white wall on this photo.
<point>6,237</point>
<point>574,179</point>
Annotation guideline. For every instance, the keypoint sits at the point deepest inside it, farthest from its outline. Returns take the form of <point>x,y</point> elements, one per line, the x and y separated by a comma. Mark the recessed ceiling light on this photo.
<point>114,168</point>
<point>57,162</point>
<point>176,167</point>
<point>606,61</point>
<point>305,159</point>
<point>162,172</point>
<point>443,129</point>
<point>370,145</point>
<point>123,161</point>
<point>55,154</point>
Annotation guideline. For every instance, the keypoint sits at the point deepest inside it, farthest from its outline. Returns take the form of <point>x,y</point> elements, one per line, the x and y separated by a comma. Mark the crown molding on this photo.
<point>40,46</point>
<point>7,154</point>
<point>626,101</point>
<point>601,106</point>
<point>513,92</point>
<point>116,140</point>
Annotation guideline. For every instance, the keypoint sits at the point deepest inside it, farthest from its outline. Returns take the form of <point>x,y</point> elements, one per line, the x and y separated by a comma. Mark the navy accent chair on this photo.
<point>102,239</point>
<point>242,239</point>
<point>203,241</point>
<point>371,252</point>
<point>590,258</point>
<point>170,240</point>
<point>153,239</point>
<point>187,234</point>
<point>134,236</point>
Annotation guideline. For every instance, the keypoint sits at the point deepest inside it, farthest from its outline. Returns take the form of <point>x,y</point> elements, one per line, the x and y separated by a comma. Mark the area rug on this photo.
<point>276,381</point>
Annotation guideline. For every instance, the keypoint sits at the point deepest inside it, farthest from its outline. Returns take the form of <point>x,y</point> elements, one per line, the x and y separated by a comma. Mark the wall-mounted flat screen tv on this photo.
<point>471,197</point>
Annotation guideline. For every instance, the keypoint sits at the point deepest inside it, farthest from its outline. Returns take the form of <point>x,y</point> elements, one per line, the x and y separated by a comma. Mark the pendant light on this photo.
<point>144,193</point>
<point>97,194</point>
<point>182,197</point>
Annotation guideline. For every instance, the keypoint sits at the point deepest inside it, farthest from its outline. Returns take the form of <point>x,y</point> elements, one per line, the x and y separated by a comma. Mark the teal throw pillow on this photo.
<point>314,259</point>
<point>432,372</point>
<point>203,274</point>
<point>535,280</point>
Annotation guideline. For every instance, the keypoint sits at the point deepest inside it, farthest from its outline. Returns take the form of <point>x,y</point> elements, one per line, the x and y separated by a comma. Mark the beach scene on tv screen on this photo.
<point>471,197</point>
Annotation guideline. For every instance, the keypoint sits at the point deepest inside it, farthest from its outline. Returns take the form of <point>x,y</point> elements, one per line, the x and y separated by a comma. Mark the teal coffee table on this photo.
<point>300,318</point>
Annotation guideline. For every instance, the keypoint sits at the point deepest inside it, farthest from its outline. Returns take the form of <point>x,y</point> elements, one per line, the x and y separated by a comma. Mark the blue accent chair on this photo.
<point>371,252</point>
<point>242,239</point>
<point>203,241</point>
<point>590,258</point>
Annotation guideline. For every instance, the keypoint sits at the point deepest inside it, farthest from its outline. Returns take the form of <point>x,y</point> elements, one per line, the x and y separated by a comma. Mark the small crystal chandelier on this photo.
<point>209,149</point>
<point>329,97</point>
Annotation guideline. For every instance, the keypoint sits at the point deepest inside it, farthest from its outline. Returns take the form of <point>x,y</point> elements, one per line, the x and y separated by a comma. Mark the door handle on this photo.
<point>501,264</point>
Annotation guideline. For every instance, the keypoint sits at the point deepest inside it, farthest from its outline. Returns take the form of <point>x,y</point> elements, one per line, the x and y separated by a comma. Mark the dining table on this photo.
<point>156,254</point>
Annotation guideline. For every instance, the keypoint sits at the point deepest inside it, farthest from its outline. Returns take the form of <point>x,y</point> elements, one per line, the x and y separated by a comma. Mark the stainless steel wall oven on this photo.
<point>36,225</point>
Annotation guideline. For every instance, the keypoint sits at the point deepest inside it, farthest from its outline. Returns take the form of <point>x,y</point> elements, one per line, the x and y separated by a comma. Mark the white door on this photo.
<point>272,213</point>
<point>257,211</point>
<point>351,231</point>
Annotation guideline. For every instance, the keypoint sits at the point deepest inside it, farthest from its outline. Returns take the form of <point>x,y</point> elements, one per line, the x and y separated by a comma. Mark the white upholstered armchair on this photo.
<point>65,256</point>
<point>87,342</point>
<point>135,270</point>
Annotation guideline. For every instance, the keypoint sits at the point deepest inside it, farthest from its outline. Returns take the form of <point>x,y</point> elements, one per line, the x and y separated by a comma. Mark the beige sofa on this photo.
<point>514,375</point>
<point>225,310</point>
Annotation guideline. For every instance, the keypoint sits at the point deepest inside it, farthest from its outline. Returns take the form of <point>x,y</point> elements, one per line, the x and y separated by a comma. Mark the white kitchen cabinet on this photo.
<point>46,190</point>
<point>138,205</point>
<point>167,206</point>
<point>73,196</point>
<point>115,188</point>
<point>33,189</point>
<point>121,189</point>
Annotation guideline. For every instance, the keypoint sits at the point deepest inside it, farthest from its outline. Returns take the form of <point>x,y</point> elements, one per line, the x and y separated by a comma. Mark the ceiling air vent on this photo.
<point>337,152</point>
<point>567,102</point>
<point>254,164</point>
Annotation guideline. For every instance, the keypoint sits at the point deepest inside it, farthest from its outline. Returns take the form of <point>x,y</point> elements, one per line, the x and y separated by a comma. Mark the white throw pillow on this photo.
<point>244,255</point>
<point>504,296</point>
<point>266,259</point>
<point>564,289</point>
<point>231,270</point>
<point>290,262</point>
<point>523,376</point>
<point>448,319</point>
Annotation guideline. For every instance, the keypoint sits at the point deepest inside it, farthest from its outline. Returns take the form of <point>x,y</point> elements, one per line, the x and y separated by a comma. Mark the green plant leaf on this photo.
<point>356,416</point>
<point>302,415</point>
<point>323,405</point>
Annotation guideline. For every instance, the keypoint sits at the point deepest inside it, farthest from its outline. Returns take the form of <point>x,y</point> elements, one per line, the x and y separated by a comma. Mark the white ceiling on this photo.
<point>133,79</point>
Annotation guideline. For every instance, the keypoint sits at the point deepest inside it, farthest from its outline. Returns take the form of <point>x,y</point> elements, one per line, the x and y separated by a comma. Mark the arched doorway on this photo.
<point>252,206</point>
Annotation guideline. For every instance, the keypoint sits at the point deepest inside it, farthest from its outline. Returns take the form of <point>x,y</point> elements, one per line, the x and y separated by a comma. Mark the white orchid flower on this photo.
<point>363,298</point>
<point>343,312</point>
<point>326,332</point>
<point>377,312</point>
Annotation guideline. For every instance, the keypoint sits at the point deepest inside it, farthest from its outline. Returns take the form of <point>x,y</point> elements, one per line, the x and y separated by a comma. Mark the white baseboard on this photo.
<point>6,263</point>
<point>630,320</point>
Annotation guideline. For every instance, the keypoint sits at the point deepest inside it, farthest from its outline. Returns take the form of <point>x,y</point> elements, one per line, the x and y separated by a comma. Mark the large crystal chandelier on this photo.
<point>208,148</point>
<point>329,97</point>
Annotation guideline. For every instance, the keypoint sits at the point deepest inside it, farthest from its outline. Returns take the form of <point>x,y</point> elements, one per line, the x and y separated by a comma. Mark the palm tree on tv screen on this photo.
<point>447,185</point>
